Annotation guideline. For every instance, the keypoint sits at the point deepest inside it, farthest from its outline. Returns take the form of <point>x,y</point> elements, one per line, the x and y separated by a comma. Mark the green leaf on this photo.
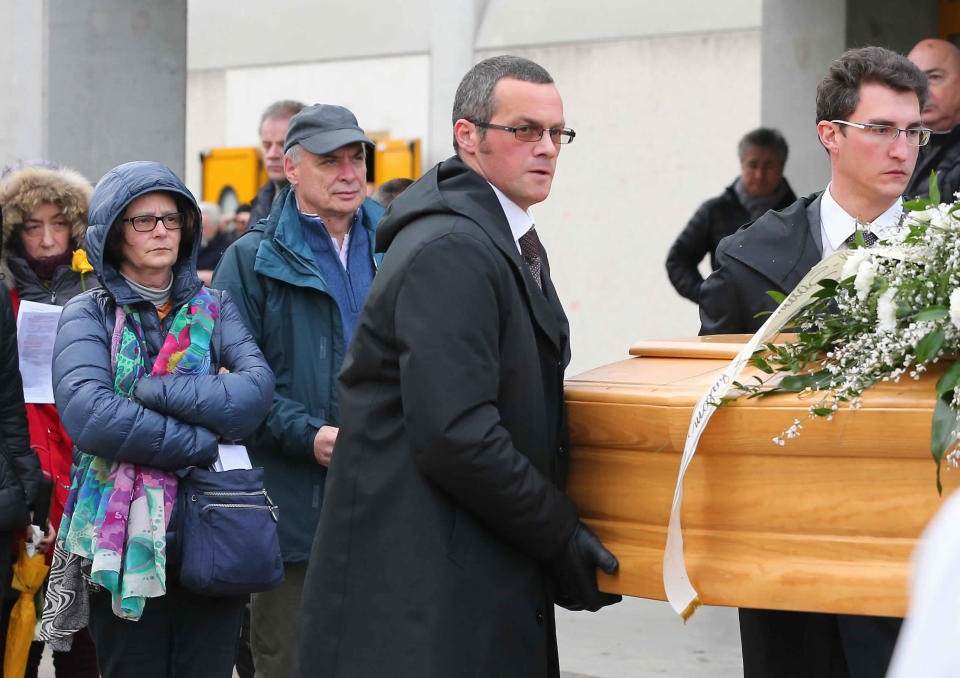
<point>795,383</point>
<point>933,313</point>
<point>942,436</point>
<point>776,296</point>
<point>934,188</point>
<point>950,379</point>
<point>859,239</point>
<point>928,346</point>
<point>917,204</point>
<point>827,283</point>
<point>761,313</point>
<point>762,364</point>
<point>822,411</point>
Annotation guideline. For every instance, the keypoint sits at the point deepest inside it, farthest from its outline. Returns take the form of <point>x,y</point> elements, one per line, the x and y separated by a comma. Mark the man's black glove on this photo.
<point>576,572</point>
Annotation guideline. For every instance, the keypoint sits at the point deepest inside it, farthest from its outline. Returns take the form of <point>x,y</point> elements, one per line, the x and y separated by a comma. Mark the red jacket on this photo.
<point>52,445</point>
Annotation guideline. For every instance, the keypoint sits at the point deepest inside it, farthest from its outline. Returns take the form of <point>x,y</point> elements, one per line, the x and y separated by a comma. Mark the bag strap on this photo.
<point>216,341</point>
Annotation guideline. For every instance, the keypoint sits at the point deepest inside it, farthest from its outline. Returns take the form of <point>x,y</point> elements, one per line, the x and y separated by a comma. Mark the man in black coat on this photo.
<point>273,132</point>
<point>445,536</point>
<point>868,112</point>
<point>940,61</point>
<point>761,186</point>
<point>20,476</point>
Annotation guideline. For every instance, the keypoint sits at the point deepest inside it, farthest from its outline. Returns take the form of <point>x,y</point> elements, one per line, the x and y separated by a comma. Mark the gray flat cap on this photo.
<point>323,128</point>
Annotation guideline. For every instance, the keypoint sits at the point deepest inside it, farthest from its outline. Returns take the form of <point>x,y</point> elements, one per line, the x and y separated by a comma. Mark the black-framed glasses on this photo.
<point>533,132</point>
<point>915,136</point>
<point>147,222</point>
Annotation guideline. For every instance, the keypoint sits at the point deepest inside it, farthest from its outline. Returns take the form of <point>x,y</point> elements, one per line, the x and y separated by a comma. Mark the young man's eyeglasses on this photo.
<point>148,222</point>
<point>533,132</point>
<point>915,136</point>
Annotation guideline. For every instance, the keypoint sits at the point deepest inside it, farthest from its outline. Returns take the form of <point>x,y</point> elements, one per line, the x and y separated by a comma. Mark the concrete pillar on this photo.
<point>800,40</point>
<point>452,33</point>
<point>23,40</point>
<point>106,82</point>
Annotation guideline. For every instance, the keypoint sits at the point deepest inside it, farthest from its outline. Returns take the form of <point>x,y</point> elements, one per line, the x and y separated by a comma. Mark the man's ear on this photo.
<point>290,170</point>
<point>467,136</point>
<point>829,134</point>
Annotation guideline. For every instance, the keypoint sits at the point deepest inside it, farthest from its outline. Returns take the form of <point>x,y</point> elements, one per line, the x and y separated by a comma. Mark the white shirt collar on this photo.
<point>520,220</point>
<point>837,224</point>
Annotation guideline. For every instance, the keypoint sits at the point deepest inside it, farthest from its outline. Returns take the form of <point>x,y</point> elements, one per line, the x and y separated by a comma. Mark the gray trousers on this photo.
<point>273,624</point>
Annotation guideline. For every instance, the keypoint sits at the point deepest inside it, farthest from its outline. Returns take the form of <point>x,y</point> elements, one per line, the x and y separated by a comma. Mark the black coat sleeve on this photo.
<point>14,432</point>
<point>721,302</point>
<point>232,405</point>
<point>448,315</point>
<point>686,253</point>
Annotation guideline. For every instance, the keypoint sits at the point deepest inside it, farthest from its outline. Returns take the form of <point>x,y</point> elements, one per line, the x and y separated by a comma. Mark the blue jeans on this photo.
<point>179,635</point>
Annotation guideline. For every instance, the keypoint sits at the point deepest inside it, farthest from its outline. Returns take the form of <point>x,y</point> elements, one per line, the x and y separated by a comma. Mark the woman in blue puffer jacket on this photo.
<point>150,372</point>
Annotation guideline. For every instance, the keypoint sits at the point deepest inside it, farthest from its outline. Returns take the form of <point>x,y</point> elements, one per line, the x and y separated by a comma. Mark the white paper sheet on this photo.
<point>231,457</point>
<point>36,332</point>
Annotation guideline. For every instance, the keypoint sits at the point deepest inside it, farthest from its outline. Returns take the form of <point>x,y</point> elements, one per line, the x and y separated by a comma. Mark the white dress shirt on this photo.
<point>520,220</point>
<point>836,225</point>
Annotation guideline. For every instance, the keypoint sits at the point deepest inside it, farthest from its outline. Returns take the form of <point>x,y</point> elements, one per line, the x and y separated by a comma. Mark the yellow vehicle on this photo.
<point>232,176</point>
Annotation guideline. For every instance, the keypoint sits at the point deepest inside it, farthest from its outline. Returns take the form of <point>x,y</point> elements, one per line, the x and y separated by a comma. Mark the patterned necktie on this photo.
<point>531,254</point>
<point>868,236</point>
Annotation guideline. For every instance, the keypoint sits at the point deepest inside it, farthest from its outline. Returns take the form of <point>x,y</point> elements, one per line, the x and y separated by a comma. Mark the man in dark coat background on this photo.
<point>445,536</point>
<point>868,113</point>
<point>940,61</point>
<point>273,132</point>
<point>761,186</point>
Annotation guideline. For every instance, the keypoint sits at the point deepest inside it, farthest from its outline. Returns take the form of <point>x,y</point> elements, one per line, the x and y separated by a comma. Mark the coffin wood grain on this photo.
<point>825,523</point>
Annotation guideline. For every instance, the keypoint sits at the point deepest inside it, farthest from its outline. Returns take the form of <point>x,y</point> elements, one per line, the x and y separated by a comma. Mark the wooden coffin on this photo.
<point>825,523</point>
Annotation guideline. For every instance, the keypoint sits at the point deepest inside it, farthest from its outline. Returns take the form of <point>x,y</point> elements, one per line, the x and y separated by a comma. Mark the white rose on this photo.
<point>955,307</point>
<point>852,263</point>
<point>863,283</point>
<point>887,310</point>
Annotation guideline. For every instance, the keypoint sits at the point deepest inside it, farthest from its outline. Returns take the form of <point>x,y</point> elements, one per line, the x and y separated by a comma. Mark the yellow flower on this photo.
<point>80,263</point>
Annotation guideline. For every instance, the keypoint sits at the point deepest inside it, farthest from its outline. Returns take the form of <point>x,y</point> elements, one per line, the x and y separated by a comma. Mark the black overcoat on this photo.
<point>443,506</point>
<point>772,253</point>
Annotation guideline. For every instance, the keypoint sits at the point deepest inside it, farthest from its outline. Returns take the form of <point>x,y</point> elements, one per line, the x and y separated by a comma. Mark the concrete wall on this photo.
<point>116,83</point>
<point>648,151</point>
<point>23,40</point>
<point>93,83</point>
<point>800,40</point>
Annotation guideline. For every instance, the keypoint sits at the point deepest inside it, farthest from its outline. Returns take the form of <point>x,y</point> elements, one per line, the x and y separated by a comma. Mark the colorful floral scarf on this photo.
<point>117,513</point>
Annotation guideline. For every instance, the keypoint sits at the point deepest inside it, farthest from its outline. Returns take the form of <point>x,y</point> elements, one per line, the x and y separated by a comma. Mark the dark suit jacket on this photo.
<point>942,154</point>
<point>772,253</point>
<point>443,505</point>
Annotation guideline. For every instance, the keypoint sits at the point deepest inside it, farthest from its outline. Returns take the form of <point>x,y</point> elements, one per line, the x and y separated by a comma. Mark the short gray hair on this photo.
<point>474,100</point>
<point>211,210</point>
<point>295,153</point>
<point>286,108</point>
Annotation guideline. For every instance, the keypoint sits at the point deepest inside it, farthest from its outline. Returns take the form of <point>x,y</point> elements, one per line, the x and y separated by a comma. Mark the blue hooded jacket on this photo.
<point>173,421</point>
<point>290,310</point>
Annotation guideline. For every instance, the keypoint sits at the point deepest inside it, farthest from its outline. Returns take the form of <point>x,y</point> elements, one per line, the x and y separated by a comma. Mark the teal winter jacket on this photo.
<point>271,274</point>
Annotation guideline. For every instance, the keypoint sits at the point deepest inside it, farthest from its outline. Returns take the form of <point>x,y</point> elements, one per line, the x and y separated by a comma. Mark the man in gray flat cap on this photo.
<point>300,279</point>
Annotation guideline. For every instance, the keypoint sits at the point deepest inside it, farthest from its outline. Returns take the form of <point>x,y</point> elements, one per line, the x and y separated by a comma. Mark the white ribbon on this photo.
<point>676,583</point>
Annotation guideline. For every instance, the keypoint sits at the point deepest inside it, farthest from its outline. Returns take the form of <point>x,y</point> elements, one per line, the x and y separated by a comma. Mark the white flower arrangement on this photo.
<point>895,310</point>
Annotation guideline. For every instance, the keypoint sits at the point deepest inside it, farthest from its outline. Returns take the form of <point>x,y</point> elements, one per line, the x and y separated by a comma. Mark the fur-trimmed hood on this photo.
<point>24,190</point>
